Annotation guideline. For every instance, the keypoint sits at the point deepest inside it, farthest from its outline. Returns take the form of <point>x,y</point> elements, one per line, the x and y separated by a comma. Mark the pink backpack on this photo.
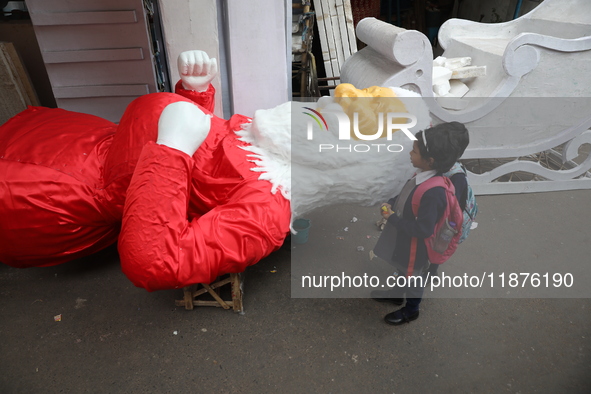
<point>448,230</point>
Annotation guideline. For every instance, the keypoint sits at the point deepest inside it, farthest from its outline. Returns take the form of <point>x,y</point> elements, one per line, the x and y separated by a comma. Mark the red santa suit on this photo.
<point>72,184</point>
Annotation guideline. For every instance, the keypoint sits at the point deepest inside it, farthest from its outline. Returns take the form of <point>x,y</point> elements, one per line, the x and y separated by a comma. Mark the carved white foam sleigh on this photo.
<point>532,111</point>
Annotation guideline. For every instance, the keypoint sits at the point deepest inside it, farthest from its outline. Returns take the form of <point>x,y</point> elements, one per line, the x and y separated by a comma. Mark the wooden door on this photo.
<point>98,53</point>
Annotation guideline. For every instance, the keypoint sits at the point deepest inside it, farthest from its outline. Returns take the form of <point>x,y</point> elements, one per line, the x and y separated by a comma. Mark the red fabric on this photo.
<point>160,249</point>
<point>50,166</point>
<point>64,180</point>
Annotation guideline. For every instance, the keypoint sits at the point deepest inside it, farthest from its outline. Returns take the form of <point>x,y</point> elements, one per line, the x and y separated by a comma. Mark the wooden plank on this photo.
<point>350,26</point>
<point>21,73</point>
<point>84,18</point>
<point>228,304</point>
<point>16,91</point>
<point>12,97</point>
<point>306,44</point>
<point>343,32</point>
<point>216,296</point>
<point>93,55</point>
<point>69,92</point>
<point>23,76</point>
<point>337,35</point>
<point>321,17</point>
<point>348,42</point>
<point>332,55</point>
<point>337,41</point>
<point>204,303</point>
<point>21,34</point>
<point>236,293</point>
<point>190,294</point>
<point>220,283</point>
<point>188,297</point>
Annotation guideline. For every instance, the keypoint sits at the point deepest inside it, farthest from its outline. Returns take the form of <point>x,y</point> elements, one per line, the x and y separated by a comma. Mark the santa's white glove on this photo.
<point>183,126</point>
<point>196,70</point>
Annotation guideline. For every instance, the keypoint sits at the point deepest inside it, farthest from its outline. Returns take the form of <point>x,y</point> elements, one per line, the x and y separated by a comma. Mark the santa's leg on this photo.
<point>161,249</point>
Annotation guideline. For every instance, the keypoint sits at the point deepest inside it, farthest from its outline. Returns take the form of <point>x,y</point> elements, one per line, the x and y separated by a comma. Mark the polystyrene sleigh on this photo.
<point>531,113</point>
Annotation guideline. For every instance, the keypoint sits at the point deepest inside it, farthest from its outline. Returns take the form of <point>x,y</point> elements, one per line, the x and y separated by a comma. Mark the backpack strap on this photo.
<point>413,255</point>
<point>459,168</point>
<point>456,169</point>
<point>434,181</point>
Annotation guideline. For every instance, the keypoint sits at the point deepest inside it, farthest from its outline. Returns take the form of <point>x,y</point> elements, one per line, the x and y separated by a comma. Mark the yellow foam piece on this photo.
<point>368,103</point>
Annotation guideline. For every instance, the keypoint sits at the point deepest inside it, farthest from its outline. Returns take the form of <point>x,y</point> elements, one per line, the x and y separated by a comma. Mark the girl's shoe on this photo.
<point>401,316</point>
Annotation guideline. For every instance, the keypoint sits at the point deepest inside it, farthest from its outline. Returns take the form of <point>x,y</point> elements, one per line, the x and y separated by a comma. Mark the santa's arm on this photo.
<point>197,71</point>
<point>205,99</point>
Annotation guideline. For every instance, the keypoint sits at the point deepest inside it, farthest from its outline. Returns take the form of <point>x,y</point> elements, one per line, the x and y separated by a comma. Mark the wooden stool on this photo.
<point>191,293</point>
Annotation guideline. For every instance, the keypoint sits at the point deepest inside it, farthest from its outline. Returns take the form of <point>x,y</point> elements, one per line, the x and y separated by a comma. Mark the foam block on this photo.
<point>469,72</point>
<point>441,74</point>
<point>457,62</point>
<point>457,88</point>
<point>439,61</point>
<point>442,88</point>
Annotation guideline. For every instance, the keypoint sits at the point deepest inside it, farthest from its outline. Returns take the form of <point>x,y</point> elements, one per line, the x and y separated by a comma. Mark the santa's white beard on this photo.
<point>311,176</point>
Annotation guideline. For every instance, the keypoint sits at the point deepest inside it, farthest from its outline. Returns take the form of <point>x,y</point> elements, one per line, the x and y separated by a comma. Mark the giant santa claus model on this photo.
<point>189,196</point>
<point>172,183</point>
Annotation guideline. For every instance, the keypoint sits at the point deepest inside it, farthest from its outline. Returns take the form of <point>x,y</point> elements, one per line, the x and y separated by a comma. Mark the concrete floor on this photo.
<point>115,338</point>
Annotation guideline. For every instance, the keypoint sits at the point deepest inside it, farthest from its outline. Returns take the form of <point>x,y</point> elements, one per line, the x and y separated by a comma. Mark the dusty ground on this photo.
<point>115,338</point>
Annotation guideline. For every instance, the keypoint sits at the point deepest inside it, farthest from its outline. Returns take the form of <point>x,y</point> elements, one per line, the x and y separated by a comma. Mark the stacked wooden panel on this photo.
<point>337,34</point>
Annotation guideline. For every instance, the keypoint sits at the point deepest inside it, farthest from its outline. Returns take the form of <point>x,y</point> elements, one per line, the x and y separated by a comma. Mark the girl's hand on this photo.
<point>386,210</point>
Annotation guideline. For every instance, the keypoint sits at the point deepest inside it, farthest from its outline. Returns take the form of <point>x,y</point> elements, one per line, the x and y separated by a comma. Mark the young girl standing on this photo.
<point>434,152</point>
<point>460,137</point>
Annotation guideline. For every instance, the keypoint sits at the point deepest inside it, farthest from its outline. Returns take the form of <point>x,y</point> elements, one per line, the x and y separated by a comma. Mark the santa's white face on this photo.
<point>303,155</point>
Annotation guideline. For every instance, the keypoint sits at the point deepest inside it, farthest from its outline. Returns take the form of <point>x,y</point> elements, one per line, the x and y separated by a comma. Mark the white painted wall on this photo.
<point>187,25</point>
<point>256,42</point>
<point>254,39</point>
<point>288,19</point>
